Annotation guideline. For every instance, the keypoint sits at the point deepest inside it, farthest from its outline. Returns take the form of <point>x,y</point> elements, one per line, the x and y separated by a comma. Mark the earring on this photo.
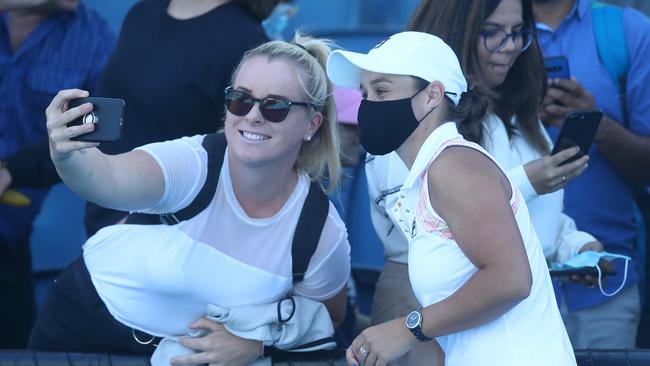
<point>307,138</point>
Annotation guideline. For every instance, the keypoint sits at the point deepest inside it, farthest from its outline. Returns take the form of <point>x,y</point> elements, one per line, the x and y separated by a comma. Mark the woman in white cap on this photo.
<point>475,263</point>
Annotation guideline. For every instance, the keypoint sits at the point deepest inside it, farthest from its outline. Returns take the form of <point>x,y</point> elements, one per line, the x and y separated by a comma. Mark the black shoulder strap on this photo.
<point>308,230</point>
<point>310,223</point>
<point>215,145</point>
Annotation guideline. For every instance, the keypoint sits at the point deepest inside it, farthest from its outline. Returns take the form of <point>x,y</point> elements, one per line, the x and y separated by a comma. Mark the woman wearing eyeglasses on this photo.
<point>157,280</point>
<point>499,51</point>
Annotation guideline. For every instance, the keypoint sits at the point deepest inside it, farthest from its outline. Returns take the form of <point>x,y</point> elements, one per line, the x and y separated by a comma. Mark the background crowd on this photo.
<point>171,61</point>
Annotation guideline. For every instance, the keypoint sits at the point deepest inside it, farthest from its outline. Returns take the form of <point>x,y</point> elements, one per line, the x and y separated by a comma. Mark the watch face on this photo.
<point>413,320</point>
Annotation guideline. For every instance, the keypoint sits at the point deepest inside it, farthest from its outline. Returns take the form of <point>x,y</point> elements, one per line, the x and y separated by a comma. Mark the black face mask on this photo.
<point>384,126</point>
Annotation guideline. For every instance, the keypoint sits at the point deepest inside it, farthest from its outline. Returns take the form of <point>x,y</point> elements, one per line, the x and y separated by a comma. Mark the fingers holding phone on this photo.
<point>77,122</point>
<point>591,280</point>
<point>571,93</point>
<point>58,116</point>
<point>547,174</point>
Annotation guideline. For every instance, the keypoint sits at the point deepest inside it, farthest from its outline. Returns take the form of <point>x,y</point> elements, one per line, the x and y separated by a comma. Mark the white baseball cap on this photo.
<point>407,53</point>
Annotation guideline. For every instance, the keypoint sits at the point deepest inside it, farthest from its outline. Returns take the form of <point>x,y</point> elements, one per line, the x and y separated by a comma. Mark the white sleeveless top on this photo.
<point>159,278</point>
<point>531,333</point>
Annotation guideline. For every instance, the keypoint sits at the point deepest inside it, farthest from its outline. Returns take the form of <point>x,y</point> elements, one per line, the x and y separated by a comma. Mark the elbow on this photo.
<point>522,286</point>
<point>522,292</point>
<point>515,285</point>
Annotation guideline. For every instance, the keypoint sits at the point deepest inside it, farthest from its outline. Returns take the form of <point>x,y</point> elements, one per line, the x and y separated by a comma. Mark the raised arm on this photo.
<point>125,182</point>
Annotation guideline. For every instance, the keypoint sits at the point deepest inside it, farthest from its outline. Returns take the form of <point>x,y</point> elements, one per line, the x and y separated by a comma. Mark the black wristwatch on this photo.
<point>414,324</point>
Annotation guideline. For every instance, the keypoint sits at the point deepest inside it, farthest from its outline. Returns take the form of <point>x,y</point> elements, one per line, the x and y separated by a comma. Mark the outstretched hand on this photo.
<point>58,116</point>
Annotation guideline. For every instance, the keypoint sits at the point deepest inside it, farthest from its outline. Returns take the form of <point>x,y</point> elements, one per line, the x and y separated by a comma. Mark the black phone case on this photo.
<point>579,129</point>
<point>107,116</point>
<point>582,271</point>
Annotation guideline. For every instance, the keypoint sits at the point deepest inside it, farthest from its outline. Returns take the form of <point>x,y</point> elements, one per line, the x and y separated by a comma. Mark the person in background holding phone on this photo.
<point>496,46</point>
<point>601,200</point>
<point>195,45</point>
<point>45,46</point>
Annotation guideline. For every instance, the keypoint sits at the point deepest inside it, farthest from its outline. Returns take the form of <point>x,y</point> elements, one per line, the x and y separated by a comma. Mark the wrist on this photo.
<point>413,324</point>
<point>605,128</point>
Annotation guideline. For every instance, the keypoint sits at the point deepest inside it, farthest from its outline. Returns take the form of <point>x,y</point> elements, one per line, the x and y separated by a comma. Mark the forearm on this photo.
<point>337,307</point>
<point>487,295</point>
<point>113,181</point>
<point>569,240</point>
<point>87,173</point>
<point>627,151</point>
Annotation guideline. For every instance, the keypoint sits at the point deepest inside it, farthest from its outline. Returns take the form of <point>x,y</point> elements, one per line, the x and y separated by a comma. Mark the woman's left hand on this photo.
<point>219,347</point>
<point>605,266</point>
<point>381,344</point>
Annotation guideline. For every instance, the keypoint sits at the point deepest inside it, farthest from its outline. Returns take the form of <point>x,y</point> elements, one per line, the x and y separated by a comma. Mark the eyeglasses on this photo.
<point>273,108</point>
<point>496,39</point>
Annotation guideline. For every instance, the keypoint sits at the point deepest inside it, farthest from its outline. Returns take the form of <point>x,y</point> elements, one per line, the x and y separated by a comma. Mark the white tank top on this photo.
<point>532,332</point>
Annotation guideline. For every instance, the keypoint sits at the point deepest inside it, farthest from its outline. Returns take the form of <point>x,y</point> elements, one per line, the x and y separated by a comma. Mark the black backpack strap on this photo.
<point>308,230</point>
<point>215,145</point>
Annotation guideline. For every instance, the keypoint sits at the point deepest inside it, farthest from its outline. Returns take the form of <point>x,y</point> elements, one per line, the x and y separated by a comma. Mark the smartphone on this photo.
<point>106,115</point>
<point>582,271</point>
<point>557,67</point>
<point>579,129</point>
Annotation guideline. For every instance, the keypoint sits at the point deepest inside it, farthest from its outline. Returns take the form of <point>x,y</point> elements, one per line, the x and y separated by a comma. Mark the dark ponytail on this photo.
<point>469,113</point>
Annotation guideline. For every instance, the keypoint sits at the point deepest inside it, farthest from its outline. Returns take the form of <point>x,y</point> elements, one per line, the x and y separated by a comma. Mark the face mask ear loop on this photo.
<point>600,280</point>
<point>428,113</point>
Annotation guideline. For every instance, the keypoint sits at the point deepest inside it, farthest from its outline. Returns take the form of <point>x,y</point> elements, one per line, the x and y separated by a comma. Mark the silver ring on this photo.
<point>363,352</point>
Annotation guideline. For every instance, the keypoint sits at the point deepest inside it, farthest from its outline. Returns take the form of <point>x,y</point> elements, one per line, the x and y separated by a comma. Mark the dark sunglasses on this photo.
<point>273,108</point>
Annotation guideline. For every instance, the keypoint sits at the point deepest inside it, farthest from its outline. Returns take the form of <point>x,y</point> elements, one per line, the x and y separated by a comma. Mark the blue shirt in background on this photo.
<point>66,50</point>
<point>600,200</point>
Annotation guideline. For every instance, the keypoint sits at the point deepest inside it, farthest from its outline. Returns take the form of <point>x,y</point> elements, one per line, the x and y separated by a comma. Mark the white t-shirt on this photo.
<point>530,333</point>
<point>159,278</point>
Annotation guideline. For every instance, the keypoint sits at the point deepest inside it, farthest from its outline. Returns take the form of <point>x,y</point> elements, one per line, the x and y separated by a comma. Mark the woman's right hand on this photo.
<point>547,175</point>
<point>58,116</point>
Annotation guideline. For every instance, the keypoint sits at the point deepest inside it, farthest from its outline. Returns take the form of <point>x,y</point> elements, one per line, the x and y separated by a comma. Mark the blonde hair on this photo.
<point>318,157</point>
